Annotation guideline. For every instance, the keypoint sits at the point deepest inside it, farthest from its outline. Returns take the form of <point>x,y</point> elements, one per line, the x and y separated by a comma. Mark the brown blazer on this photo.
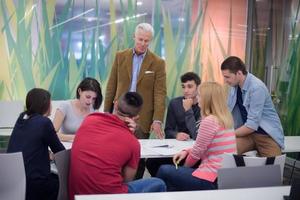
<point>151,85</point>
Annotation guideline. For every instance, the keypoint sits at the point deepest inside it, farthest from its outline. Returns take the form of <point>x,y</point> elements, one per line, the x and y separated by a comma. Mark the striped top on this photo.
<point>212,141</point>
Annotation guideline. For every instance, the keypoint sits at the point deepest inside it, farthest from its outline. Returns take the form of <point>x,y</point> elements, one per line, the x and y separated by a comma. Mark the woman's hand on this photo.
<point>179,157</point>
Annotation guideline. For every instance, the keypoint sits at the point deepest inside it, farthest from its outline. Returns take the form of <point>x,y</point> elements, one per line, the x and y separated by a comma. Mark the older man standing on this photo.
<point>139,70</point>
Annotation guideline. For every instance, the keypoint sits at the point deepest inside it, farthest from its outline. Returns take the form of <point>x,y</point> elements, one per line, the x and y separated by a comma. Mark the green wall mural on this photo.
<point>37,45</point>
<point>35,57</point>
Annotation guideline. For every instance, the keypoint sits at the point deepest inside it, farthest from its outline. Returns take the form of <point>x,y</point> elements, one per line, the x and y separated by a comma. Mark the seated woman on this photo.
<point>215,137</point>
<point>70,114</point>
<point>33,134</point>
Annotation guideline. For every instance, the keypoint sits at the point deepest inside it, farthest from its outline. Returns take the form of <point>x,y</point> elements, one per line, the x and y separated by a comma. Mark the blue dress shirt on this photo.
<point>136,66</point>
<point>259,106</point>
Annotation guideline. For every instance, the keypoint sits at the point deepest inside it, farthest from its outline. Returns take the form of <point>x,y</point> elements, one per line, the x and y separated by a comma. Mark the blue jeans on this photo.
<point>181,179</point>
<point>146,185</point>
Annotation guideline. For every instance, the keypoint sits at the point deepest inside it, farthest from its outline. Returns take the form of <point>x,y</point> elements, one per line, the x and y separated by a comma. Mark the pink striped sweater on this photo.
<point>212,141</point>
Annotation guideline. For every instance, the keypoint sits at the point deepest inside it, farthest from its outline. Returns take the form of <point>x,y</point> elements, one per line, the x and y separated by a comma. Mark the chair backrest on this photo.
<point>255,173</point>
<point>10,111</point>
<point>62,161</point>
<point>12,176</point>
<point>247,177</point>
<point>229,162</point>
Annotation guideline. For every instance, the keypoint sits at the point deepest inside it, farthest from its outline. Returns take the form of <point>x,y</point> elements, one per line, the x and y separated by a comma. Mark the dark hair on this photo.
<point>130,104</point>
<point>190,76</point>
<point>37,101</point>
<point>91,84</point>
<point>234,64</point>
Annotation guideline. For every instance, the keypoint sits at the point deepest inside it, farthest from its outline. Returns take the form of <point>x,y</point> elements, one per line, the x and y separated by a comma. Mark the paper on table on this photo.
<point>165,151</point>
<point>158,143</point>
<point>147,152</point>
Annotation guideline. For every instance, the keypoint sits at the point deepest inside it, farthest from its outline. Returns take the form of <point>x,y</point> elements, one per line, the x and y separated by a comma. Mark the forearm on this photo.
<point>52,139</point>
<point>243,131</point>
<point>190,161</point>
<point>65,137</point>
<point>191,124</point>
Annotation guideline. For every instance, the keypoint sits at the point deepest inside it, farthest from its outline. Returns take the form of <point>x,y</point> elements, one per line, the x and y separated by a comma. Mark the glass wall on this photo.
<point>274,46</point>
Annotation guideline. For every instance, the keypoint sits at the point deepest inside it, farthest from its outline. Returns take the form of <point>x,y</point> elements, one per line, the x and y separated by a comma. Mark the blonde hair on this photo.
<point>213,102</point>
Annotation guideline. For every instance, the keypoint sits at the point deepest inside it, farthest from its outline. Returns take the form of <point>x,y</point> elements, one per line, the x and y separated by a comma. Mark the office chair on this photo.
<point>12,176</point>
<point>62,161</point>
<point>243,171</point>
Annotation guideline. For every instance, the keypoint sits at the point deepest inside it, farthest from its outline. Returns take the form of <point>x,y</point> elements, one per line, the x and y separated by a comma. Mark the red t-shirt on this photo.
<point>103,146</point>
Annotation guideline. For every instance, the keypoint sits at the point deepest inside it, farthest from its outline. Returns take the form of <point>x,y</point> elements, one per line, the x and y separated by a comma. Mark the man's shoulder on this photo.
<point>124,52</point>
<point>154,56</point>
<point>103,116</point>
<point>255,84</point>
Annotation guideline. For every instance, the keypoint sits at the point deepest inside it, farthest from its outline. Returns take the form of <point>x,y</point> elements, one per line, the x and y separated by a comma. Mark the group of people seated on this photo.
<point>105,154</point>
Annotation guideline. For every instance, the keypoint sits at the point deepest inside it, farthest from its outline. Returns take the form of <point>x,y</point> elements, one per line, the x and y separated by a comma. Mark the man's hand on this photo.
<point>182,136</point>
<point>131,124</point>
<point>156,128</point>
<point>136,118</point>
<point>187,103</point>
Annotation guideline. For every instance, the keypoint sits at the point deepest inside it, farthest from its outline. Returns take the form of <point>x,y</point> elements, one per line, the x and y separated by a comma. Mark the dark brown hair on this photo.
<point>37,101</point>
<point>91,84</point>
<point>190,76</point>
<point>234,64</point>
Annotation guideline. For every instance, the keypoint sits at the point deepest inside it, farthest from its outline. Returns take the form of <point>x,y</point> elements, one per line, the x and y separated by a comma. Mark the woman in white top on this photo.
<point>70,114</point>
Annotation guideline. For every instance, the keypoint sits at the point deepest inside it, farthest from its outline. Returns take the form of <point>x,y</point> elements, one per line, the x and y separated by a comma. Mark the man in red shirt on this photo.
<point>105,153</point>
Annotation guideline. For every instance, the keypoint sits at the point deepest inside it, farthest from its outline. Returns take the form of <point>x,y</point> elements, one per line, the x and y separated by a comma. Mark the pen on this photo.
<point>176,165</point>
<point>164,145</point>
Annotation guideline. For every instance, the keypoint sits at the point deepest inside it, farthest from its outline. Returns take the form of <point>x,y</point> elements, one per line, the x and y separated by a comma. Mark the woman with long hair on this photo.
<point>215,137</point>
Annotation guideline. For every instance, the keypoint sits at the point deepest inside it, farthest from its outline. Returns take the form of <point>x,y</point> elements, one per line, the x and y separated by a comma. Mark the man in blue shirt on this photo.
<point>257,125</point>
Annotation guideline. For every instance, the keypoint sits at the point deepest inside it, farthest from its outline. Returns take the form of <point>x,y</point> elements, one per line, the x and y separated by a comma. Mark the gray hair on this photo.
<point>146,27</point>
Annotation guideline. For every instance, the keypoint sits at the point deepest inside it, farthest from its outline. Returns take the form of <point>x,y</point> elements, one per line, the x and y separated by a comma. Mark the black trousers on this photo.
<point>140,169</point>
<point>153,164</point>
<point>46,188</point>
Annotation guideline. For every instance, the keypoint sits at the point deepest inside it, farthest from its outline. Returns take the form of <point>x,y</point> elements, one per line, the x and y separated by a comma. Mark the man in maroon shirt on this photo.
<point>105,153</point>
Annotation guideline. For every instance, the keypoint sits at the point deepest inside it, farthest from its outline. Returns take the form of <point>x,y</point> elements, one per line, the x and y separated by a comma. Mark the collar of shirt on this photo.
<point>246,83</point>
<point>135,54</point>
